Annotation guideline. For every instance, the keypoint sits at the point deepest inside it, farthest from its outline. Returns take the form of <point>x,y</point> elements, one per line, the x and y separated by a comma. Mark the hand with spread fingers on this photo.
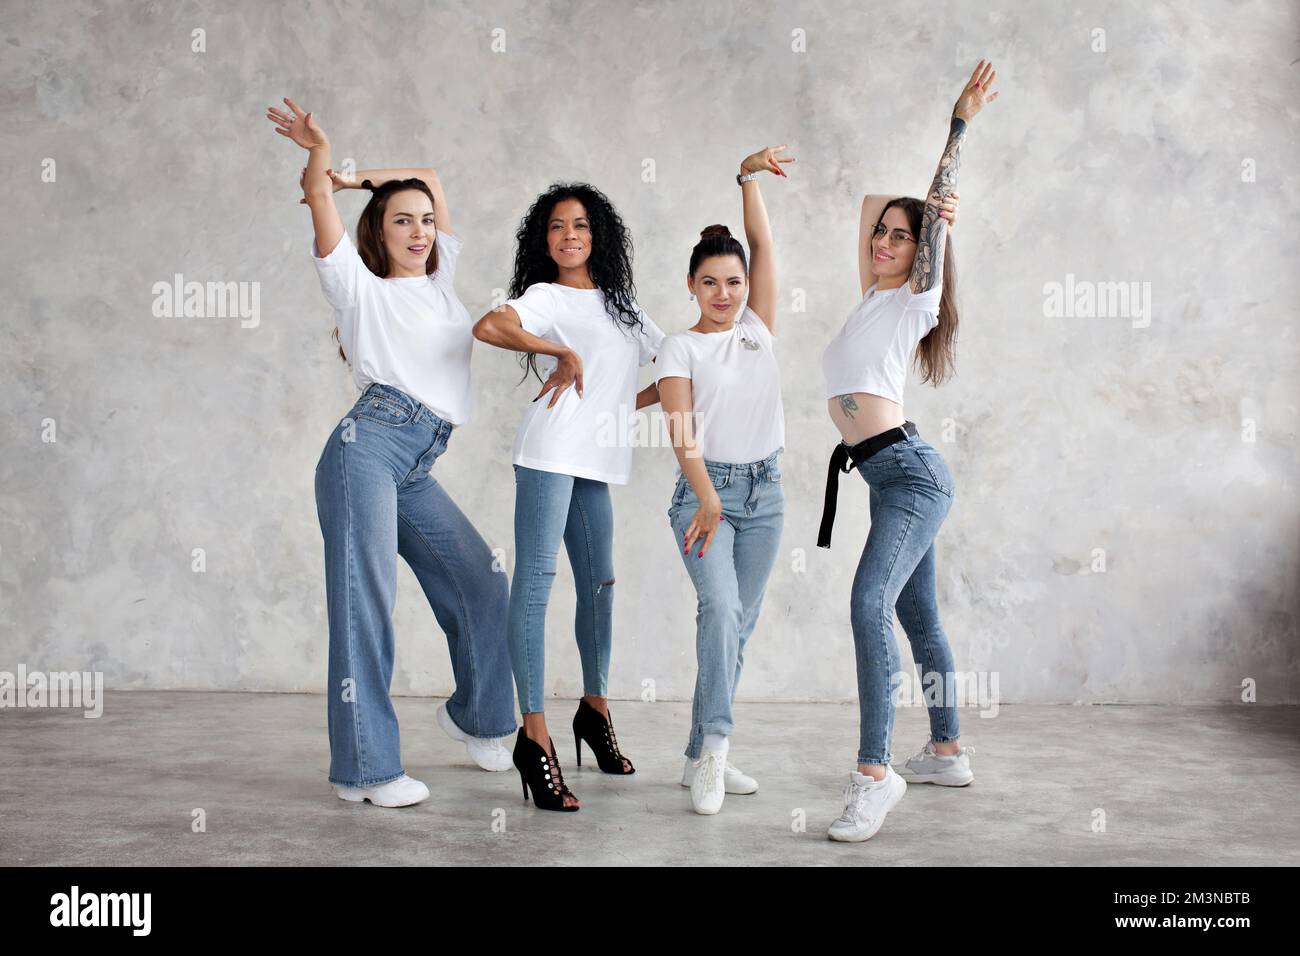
<point>568,371</point>
<point>977,93</point>
<point>766,159</point>
<point>298,126</point>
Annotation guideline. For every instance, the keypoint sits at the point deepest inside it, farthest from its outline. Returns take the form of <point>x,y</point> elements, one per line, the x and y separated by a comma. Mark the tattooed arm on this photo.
<point>927,267</point>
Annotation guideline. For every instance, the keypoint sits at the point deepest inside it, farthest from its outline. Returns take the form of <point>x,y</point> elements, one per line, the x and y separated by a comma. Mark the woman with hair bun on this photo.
<point>573,303</point>
<point>720,388</point>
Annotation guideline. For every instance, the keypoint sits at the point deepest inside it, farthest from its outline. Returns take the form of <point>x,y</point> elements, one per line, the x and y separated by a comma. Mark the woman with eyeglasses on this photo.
<point>907,313</point>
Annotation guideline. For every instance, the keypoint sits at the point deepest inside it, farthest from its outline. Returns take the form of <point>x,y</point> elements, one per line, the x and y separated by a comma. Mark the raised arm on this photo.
<point>927,267</point>
<point>317,188</point>
<point>758,233</point>
<point>872,207</point>
<point>377,177</point>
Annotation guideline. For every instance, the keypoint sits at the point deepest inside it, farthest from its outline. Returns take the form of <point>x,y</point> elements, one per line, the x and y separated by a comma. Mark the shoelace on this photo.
<point>854,794</point>
<point>613,739</point>
<point>711,764</point>
<point>557,777</point>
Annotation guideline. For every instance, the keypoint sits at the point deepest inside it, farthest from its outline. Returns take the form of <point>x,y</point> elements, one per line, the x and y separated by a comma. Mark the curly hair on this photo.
<point>610,263</point>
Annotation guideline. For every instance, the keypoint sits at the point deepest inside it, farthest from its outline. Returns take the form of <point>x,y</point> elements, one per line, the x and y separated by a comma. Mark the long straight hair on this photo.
<point>936,354</point>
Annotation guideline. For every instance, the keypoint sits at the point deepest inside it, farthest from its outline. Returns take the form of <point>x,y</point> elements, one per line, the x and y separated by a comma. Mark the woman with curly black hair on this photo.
<point>572,302</point>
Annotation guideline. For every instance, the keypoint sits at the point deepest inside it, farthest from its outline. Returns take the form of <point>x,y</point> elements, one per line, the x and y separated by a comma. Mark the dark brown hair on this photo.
<point>717,240</point>
<point>370,233</point>
<point>936,354</point>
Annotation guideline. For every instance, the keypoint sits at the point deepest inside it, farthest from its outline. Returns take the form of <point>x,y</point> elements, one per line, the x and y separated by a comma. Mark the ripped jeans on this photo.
<point>550,506</point>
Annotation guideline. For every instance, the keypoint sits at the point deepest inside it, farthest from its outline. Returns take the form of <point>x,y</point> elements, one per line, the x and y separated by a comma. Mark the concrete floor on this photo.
<point>1177,785</point>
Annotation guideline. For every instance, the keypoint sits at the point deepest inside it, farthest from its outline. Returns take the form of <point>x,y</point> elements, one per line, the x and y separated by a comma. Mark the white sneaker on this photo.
<point>708,788</point>
<point>931,767</point>
<point>866,802</point>
<point>488,752</point>
<point>401,792</point>
<point>733,780</point>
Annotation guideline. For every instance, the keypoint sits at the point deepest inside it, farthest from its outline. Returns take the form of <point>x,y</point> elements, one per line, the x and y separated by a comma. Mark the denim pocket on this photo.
<point>385,411</point>
<point>936,467</point>
<point>679,493</point>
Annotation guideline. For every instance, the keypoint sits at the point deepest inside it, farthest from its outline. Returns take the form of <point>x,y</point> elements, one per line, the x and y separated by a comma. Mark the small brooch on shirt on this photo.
<point>749,344</point>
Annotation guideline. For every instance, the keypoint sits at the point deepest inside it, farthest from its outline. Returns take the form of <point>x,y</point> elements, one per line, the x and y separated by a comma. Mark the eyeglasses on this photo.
<point>898,235</point>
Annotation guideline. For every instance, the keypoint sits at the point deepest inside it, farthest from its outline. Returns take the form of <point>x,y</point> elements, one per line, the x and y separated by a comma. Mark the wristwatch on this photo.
<point>745,178</point>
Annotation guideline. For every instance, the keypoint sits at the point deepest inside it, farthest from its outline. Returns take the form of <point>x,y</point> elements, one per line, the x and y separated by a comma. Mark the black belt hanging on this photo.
<point>840,459</point>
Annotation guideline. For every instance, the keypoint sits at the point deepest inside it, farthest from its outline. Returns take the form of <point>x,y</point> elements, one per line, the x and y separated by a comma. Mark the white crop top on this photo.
<point>874,348</point>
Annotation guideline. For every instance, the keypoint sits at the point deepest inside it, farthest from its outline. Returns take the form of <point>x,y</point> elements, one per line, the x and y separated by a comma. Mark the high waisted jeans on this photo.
<point>550,506</point>
<point>729,581</point>
<point>375,500</point>
<point>911,491</point>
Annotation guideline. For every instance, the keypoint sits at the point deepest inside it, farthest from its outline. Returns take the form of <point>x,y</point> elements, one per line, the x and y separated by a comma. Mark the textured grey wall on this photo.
<point>1159,152</point>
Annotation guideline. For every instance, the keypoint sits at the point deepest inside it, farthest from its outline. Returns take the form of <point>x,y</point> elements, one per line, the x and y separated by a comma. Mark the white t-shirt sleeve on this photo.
<point>342,273</point>
<point>449,247</point>
<point>922,302</point>
<point>674,359</point>
<point>651,341</point>
<point>536,309</point>
<point>755,321</point>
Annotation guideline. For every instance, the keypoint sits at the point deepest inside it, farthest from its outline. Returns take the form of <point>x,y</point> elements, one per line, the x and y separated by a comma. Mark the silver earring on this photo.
<point>692,296</point>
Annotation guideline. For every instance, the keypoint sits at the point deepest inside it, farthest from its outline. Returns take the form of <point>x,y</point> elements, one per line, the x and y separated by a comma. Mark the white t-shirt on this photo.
<point>874,348</point>
<point>588,436</point>
<point>412,332</point>
<point>735,388</point>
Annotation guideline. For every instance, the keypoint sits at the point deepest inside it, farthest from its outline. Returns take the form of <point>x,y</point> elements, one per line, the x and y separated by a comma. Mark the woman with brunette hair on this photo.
<point>572,303</point>
<point>910,486</point>
<point>721,392</point>
<point>408,339</point>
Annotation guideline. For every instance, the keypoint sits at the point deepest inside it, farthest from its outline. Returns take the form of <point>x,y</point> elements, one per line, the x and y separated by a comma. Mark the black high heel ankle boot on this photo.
<point>541,771</point>
<point>589,725</point>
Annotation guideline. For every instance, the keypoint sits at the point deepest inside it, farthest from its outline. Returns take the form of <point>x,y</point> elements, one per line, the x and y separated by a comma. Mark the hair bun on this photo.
<point>709,232</point>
